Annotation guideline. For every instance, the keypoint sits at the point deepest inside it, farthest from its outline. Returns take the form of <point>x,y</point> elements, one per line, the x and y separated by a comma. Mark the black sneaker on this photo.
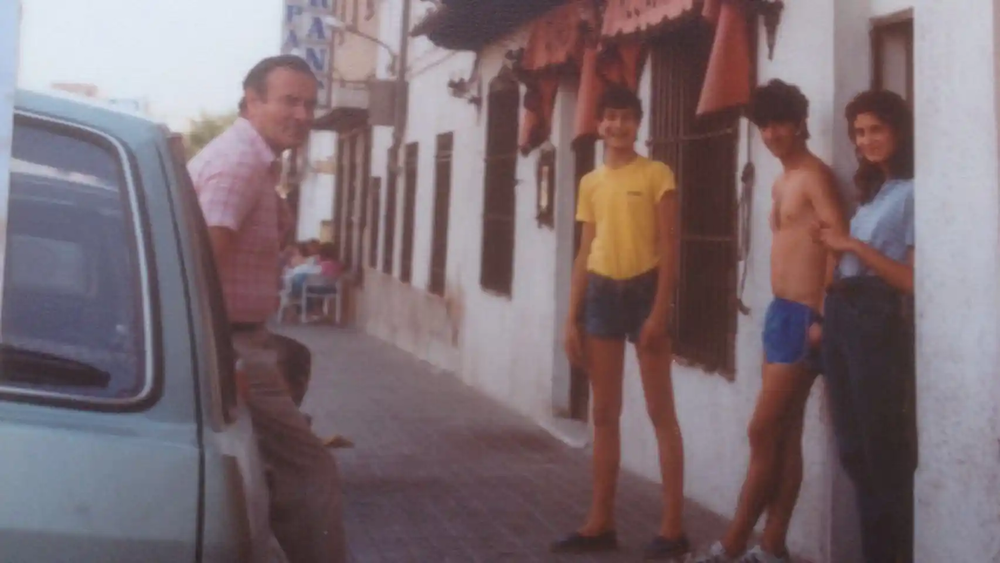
<point>579,543</point>
<point>662,548</point>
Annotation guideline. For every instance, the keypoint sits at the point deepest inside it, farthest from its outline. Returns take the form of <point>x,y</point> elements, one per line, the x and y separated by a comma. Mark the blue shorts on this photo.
<point>786,333</point>
<point>617,309</point>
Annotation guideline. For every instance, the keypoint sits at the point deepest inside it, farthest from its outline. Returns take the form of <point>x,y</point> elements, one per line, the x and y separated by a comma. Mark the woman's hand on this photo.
<point>833,239</point>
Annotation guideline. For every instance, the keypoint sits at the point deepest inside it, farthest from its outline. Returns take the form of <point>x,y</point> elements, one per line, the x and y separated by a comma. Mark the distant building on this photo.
<point>137,105</point>
<point>80,89</point>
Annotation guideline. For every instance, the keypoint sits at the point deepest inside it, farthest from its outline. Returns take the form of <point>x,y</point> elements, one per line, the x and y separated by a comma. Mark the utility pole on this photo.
<point>402,91</point>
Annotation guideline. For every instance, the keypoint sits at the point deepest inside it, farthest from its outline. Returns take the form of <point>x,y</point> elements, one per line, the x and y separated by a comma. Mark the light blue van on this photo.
<point>121,436</point>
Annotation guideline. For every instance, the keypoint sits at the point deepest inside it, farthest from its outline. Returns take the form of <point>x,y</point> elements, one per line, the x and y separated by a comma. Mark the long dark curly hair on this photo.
<point>891,109</point>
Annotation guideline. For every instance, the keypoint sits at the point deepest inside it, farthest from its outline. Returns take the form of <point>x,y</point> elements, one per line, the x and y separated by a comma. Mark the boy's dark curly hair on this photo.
<point>779,102</point>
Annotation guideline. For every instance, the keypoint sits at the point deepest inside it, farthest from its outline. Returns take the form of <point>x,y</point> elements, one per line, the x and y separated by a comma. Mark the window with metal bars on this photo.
<point>389,236</point>
<point>703,154</point>
<point>339,183</point>
<point>375,191</point>
<point>409,211</point>
<point>442,205</point>
<point>497,268</point>
<point>349,216</point>
<point>364,184</point>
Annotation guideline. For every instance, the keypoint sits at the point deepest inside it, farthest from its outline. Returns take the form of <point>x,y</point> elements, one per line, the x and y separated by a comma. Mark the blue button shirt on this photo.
<point>885,223</point>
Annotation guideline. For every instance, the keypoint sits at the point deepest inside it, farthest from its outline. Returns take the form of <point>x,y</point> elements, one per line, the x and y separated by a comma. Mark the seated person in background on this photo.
<point>311,248</point>
<point>290,257</point>
<point>300,255</point>
<point>306,266</point>
<point>329,261</point>
<point>326,264</point>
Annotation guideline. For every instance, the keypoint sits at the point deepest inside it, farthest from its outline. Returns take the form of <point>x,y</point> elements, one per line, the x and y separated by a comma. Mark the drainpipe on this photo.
<point>402,101</point>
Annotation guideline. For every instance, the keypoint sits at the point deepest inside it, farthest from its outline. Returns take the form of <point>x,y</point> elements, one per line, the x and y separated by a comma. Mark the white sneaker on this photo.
<point>758,555</point>
<point>716,554</point>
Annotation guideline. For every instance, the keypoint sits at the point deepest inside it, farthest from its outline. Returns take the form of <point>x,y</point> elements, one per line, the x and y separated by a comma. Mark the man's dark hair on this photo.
<point>779,102</point>
<point>620,97</point>
<point>891,109</point>
<point>256,79</point>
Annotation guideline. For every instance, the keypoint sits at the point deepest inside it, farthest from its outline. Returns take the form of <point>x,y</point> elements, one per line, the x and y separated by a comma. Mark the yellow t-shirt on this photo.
<point>622,203</point>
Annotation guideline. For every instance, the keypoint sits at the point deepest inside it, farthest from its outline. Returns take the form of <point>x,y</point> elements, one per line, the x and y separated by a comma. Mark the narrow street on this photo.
<point>441,473</point>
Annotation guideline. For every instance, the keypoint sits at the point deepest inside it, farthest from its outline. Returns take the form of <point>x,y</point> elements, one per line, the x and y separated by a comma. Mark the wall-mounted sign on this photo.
<point>304,33</point>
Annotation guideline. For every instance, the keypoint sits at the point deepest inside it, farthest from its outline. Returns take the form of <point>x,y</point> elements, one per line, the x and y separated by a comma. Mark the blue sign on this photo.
<point>306,34</point>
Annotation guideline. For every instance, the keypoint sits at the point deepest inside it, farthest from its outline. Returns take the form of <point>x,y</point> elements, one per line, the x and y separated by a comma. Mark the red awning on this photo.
<point>557,38</point>
<point>556,45</point>
<point>727,80</point>
<point>617,63</point>
<point>562,41</point>
<point>630,17</point>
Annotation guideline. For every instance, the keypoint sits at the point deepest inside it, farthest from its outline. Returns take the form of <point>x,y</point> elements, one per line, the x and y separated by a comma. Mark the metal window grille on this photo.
<point>409,211</point>
<point>703,154</point>
<point>497,268</point>
<point>442,205</point>
<point>389,236</point>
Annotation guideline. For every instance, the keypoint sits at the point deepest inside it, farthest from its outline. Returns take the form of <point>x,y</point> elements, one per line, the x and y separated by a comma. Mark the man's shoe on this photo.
<point>663,548</point>
<point>579,543</point>
<point>716,554</point>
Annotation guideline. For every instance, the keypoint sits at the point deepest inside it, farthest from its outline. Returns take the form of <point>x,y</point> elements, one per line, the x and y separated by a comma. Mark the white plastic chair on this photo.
<point>317,286</point>
<point>285,298</point>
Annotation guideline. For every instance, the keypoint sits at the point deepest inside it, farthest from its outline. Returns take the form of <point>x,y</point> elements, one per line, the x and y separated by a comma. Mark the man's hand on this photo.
<point>573,345</point>
<point>815,335</point>
<point>654,331</point>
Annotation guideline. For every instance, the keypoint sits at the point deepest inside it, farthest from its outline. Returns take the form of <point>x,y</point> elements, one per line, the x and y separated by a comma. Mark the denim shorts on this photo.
<point>617,309</point>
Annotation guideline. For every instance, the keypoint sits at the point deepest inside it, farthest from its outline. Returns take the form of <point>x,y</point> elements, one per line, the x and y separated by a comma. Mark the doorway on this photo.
<point>585,159</point>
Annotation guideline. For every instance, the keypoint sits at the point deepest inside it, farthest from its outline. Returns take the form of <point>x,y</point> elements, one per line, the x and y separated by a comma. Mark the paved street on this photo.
<point>441,473</point>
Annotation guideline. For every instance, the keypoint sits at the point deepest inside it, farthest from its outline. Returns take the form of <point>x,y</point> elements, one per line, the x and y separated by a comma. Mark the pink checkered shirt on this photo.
<point>235,176</point>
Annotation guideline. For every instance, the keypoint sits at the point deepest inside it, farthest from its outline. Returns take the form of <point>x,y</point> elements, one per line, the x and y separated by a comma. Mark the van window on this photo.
<point>72,315</point>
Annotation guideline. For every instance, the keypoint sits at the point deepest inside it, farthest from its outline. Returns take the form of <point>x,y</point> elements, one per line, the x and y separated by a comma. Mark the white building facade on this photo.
<point>431,282</point>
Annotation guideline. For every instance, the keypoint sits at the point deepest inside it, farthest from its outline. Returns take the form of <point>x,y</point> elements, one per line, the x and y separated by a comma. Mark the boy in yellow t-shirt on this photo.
<point>623,282</point>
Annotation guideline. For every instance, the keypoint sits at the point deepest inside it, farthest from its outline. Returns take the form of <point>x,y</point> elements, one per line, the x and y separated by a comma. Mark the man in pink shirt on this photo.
<point>235,177</point>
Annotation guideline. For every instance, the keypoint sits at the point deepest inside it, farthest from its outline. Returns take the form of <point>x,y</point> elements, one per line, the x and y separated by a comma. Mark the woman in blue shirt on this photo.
<point>867,333</point>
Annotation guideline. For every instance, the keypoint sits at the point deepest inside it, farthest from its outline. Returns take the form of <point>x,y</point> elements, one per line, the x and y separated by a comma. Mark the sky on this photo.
<point>185,56</point>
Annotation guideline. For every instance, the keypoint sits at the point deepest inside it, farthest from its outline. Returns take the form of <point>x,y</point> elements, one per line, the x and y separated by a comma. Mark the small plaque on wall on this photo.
<point>545,182</point>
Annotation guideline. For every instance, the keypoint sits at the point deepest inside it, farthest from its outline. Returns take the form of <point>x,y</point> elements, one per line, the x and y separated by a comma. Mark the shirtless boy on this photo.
<point>803,196</point>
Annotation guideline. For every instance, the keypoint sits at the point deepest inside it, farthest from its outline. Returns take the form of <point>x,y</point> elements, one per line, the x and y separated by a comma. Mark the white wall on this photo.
<point>316,188</point>
<point>406,314</point>
<point>714,412</point>
<point>958,230</point>
<point>509,347</point>
<point>880,8</point>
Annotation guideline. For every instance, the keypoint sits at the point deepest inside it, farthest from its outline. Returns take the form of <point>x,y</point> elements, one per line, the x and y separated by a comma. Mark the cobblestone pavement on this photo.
<point>442,474</point>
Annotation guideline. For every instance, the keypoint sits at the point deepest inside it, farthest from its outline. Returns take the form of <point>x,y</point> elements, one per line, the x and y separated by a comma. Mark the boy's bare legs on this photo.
<point>654,366</point>
<point>783,386</point>
<point>605,363</point>
<point>779,511</point>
